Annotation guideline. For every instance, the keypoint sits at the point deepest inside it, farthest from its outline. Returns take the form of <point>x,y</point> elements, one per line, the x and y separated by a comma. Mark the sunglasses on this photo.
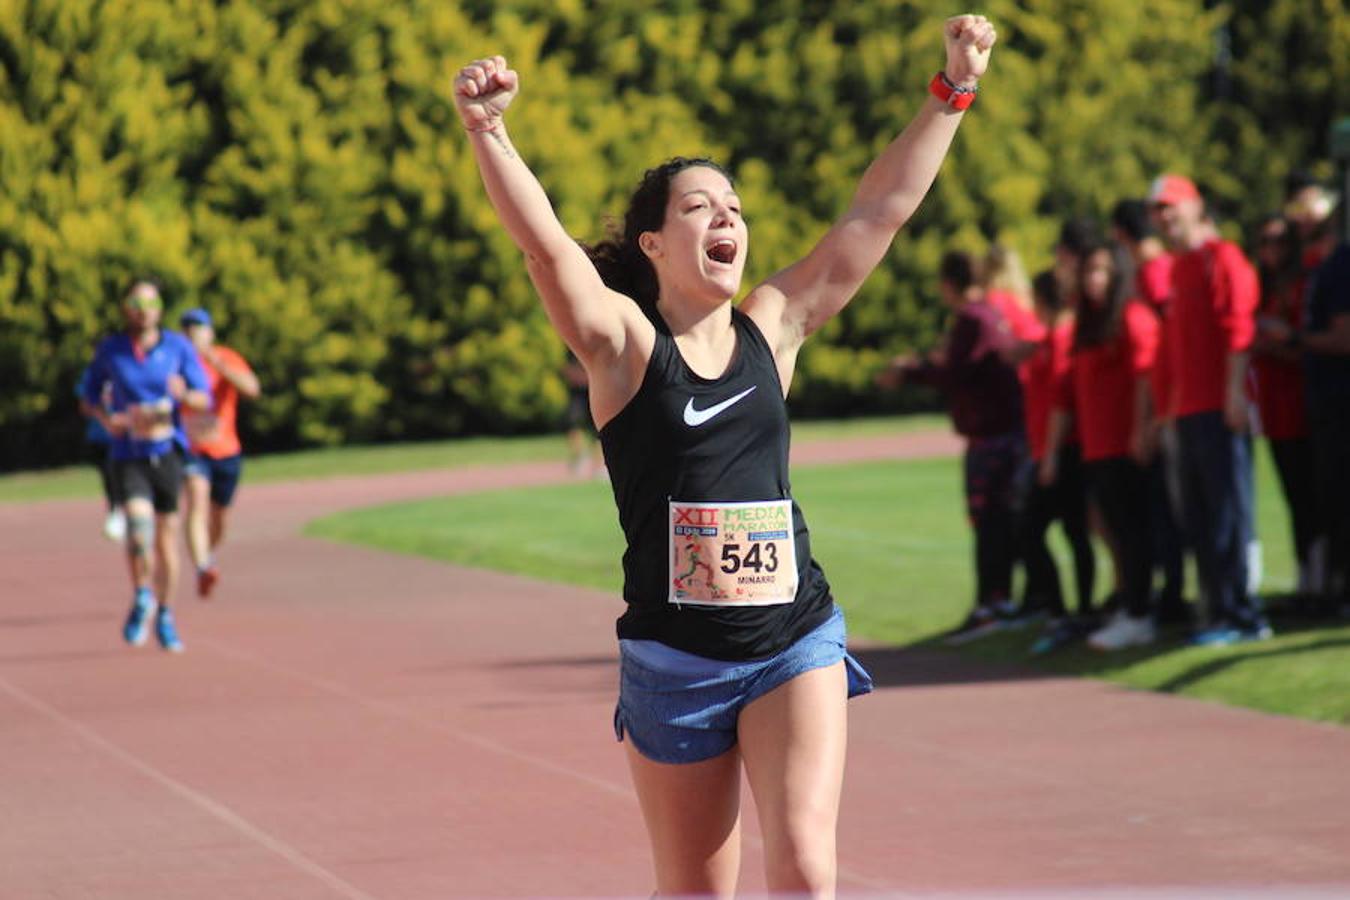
<point>144,302</point>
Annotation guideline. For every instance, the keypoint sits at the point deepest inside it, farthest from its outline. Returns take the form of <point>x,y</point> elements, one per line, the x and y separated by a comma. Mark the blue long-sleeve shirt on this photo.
<point>94,432</point>
<point>141,378</point>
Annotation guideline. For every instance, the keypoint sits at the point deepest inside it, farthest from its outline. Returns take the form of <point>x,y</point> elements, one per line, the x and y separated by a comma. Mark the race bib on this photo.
<point>151,421</point>
<point>732,554</point>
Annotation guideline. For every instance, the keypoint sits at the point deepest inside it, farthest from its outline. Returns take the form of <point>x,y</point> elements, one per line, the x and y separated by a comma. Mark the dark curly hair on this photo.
<point>618,258</point>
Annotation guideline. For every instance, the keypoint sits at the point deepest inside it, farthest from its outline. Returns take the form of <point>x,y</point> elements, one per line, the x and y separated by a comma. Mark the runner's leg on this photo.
<point>692,811</point>
<point>793,740</point>
<point>166,557</point>
<point>198,526</point>
<point>140,540</point>
<point>217,524</point>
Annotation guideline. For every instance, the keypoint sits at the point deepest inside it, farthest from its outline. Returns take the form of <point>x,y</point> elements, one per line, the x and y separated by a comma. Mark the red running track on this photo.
<point>349,723</point>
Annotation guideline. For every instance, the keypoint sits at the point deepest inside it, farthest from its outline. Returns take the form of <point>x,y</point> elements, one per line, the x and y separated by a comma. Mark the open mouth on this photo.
<point>722,251</point>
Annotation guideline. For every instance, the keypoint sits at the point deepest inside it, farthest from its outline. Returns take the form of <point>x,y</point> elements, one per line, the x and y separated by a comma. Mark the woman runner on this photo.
<point>688,392</point>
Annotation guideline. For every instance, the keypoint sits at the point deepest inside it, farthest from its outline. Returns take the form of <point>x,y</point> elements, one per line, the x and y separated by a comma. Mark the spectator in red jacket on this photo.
<point>1280,390</point>
<point>1133,229</point>
<point>1064,498</point>
<point>1324,342</point>
<point>1209,336</point>
<point>1115,342</point>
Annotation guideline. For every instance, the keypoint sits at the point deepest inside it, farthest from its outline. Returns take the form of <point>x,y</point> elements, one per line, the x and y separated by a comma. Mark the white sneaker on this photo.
<point>115,525</point>
<point>1123,631</point>
<point>1254,567</point>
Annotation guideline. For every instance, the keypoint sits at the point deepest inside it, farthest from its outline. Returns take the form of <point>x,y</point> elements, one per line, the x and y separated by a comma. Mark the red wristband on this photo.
<point>956,97</point>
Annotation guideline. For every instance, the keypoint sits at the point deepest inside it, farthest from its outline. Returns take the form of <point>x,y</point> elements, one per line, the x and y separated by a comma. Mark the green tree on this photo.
<point>296,166</point>
<point>1278,86</point>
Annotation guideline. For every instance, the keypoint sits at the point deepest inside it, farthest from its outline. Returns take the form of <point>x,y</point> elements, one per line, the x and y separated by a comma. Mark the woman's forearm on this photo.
<point>516,194</point>
<point>897,180</point>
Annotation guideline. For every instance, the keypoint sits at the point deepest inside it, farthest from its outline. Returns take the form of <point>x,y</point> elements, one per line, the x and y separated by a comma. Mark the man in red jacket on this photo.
<point>1208,336</point>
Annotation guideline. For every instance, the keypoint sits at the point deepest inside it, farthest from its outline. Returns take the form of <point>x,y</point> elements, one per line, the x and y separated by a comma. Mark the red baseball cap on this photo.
<point>1168,190</point>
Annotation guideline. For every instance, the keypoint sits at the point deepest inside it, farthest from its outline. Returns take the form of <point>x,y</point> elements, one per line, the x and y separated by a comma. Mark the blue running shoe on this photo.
<point>138,620</point>
<point>1216,636</point>
<point>1061,633</point>
<point>166,632</point>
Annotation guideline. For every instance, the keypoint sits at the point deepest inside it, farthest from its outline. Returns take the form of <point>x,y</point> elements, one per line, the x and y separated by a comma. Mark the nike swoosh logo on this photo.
<point>696,417</point>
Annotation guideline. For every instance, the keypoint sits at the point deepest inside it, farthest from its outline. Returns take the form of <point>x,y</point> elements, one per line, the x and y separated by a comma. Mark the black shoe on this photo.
<point>1024,615</point>
<point>1109,605</point>
<point>1173,611</point>
<point>982,621</point>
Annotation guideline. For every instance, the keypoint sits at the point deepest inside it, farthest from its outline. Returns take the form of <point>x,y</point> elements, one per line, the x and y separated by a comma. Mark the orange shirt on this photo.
<point>214,433</point>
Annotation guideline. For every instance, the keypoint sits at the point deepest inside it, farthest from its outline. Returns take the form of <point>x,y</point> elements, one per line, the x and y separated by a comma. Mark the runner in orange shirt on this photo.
<point>215,460</point>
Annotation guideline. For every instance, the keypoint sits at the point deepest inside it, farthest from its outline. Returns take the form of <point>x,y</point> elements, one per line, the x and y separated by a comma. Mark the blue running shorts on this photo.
<point>677,707</point>
<point>223,474</point>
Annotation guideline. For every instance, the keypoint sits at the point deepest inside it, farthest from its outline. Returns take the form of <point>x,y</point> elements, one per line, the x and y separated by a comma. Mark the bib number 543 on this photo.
<point>754,560</point>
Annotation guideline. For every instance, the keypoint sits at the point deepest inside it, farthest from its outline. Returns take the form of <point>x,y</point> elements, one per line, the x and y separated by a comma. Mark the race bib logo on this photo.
<point>732,554</point>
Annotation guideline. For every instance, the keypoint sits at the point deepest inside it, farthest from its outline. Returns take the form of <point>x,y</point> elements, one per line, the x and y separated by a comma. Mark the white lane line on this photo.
<point>198,799</point>
<point>386,709</point>
<point>391,711</point>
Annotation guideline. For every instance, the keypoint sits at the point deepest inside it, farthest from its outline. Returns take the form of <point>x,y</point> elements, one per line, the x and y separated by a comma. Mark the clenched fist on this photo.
<point>483,90</point>
<point>969,40</point>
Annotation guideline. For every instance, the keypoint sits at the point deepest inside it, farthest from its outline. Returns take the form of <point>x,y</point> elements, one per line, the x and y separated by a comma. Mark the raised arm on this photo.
<point>593,320</point>
<point>799,299</point>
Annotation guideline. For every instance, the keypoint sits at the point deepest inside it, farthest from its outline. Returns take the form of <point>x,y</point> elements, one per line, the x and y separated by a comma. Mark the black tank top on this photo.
<point>679,438</point>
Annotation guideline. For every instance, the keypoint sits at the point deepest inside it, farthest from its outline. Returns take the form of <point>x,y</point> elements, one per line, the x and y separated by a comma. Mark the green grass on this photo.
<point>893,540</point>
<point>82,481</point>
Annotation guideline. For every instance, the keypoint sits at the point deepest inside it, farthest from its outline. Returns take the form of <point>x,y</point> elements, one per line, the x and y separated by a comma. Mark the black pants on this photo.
<point>1217,504</point>
<point>1331,451</point>
<point>1121,488</point>
<point>1064,501</point>
<point>1168,540</point>
<point>1294,461</point>
<point>992,469</point>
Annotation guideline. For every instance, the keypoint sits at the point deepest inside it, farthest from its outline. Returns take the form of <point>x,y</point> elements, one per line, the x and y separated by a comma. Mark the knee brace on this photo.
<point>140,535</point>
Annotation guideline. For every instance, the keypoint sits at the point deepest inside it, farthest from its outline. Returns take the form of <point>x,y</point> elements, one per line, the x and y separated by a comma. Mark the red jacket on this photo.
<point>1104,378</point>
<point>1214,297</point>
<point>1043,376</point>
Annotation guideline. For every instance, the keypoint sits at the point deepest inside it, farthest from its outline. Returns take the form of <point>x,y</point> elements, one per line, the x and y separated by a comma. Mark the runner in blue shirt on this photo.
<point>152,371</point>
